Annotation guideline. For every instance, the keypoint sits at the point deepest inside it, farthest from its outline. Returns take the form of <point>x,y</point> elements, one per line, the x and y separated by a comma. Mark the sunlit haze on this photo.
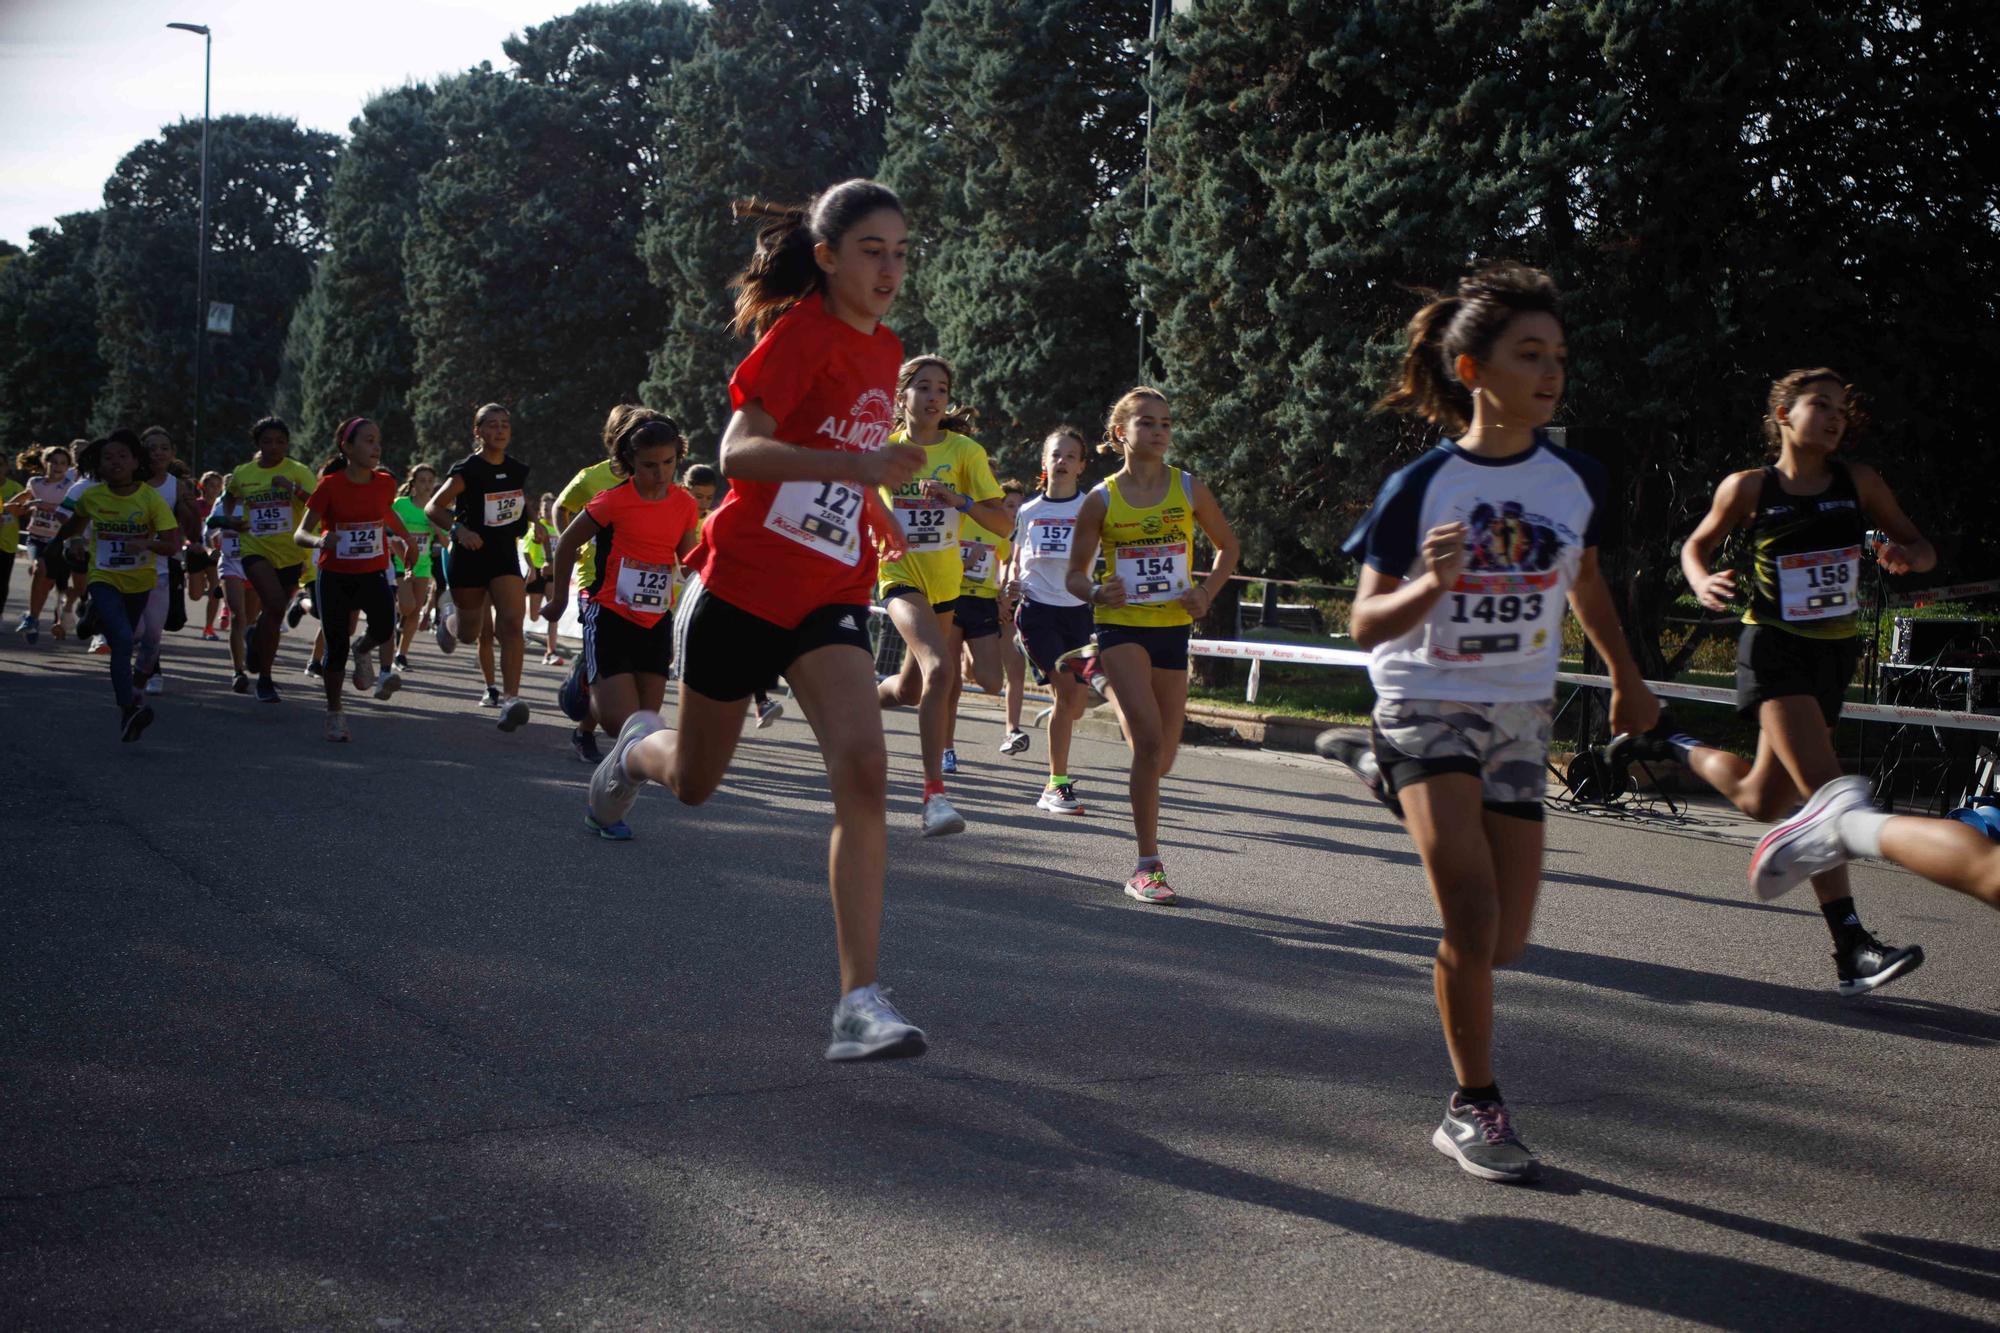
<point>83,81</point>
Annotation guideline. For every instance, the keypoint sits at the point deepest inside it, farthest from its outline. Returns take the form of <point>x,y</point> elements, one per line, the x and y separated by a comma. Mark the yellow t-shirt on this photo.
<point>934,565</point>
<point>121,525</point>
<point>273,501</point>
<point>982,554</point>
<point>10,527</point>
<point>584,487</point>
<point>1152,550</point>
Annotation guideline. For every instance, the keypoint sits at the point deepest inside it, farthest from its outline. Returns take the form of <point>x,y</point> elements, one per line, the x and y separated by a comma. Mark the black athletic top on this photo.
<point>1806,558</point>
<point>494,501</point>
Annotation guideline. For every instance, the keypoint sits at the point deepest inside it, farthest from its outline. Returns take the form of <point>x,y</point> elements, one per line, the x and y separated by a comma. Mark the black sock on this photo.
<point>1489,1093</point>
<point>1841,918</point>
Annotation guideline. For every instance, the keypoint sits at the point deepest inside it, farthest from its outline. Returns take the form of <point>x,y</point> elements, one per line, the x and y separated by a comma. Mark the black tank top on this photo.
<point>494,502</point>
<point>1806,558</point>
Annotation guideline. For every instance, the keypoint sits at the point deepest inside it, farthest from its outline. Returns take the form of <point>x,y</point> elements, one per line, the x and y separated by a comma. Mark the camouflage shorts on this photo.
<point>1506,746</point>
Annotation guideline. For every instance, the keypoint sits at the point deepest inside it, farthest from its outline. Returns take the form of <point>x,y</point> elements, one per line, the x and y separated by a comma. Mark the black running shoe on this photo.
<point>267,691</point>
<point>1355,750</point>
<point>297,611</point>
<point>137,718</point>
<point>402,662</point>
<point>1864,963</point>
<point>240,685</point>
<point>585,745</point>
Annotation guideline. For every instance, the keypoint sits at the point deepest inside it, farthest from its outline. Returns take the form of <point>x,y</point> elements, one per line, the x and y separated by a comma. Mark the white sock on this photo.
<point>1861,831</point>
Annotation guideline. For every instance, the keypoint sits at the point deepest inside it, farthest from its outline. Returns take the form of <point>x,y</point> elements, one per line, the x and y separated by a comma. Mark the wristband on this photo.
<point>964,504</point>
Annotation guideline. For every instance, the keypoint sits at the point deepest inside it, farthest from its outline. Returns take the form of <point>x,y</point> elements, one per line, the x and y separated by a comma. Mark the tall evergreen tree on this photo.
<point>784,98</point>
<point>524,283</point>
<point>1704,181</point>
<point>267,215</point>
<point>351,344</point>
<point>1016,123</point>
<point>49,368</point>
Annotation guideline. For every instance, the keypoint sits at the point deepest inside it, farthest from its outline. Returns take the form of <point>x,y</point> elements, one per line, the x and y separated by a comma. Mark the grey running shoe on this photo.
<point>1059,798</point>
<point>867,1027</point>
<point>1015,742</point>
<point>1808,842</point>
<point>1480,1137</point>
<point>768,712</point>
<point>1357,751</point>
<point>940,818</point>
<point>267,691</point>
<point>1864,962</point>
<point>336,726</point>
<point>446,640</point>
<point>388,683</point>
<point>360,651</point>
<point>585,745</point>
<point>513,715</point>
<point>611,792</point>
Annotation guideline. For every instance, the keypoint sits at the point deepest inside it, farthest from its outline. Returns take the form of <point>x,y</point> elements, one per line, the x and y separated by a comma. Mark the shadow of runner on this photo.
<point>1709,1289</point>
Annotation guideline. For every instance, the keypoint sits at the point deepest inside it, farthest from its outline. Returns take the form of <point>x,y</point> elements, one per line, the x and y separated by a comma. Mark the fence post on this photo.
<point>1256,676</point>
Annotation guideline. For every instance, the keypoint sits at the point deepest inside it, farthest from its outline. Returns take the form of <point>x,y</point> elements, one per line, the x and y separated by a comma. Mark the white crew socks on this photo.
<point>1861,831</point>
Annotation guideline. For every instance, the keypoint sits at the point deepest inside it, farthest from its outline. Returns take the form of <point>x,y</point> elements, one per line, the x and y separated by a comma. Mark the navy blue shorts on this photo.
<point>1167,645</point>
<point>976,617</point>
<point>1047,632</point>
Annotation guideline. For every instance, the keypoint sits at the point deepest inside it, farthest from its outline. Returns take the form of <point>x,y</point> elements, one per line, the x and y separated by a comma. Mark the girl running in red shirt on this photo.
<point>786,564</point>
<point>348,520</point>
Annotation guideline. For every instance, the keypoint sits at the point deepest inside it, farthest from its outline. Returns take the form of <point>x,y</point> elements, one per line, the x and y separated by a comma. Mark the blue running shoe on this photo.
<point>616,831</point>
<point>571,696</point>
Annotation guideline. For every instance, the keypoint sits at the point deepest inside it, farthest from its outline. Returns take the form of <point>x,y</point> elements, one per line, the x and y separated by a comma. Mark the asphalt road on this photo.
<point>375,1036</point>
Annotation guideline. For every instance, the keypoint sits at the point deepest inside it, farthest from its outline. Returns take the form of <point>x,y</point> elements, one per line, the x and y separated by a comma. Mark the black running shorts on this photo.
<point>1773,663</point>
<point>728,654</point>
<point>615,646</point>
<point>978,617</point>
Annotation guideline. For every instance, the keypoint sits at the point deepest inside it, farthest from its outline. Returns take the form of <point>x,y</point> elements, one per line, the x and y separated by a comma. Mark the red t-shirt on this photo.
<point>355,518</point>
<point>781,550</point>
<point>636,577</point>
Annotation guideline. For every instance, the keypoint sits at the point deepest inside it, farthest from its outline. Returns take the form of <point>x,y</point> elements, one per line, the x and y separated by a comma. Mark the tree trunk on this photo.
<point>1220,623</point>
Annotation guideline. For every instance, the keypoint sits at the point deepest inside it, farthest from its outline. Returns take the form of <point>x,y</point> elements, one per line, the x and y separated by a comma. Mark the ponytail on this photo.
<point>1468,323</point>
<point>783,269</point>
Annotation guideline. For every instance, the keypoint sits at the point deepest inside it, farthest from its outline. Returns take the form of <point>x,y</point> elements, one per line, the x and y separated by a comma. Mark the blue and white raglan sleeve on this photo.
<point>1389,538</point>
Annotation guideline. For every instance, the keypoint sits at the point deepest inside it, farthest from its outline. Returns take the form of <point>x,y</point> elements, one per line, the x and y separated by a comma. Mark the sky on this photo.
<point>84,81</point>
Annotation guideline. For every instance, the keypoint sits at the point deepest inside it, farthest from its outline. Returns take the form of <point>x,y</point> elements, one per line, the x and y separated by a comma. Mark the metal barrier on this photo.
<point>1300,654</point>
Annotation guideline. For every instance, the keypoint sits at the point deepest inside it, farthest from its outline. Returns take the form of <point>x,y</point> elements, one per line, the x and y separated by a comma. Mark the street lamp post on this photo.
<point>201,251</point>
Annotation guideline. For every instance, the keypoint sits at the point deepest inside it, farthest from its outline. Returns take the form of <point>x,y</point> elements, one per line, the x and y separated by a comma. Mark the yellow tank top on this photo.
<point>1152,549</point>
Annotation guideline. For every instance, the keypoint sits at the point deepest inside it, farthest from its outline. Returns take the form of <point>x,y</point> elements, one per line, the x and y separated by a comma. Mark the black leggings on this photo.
<point>337,595</point>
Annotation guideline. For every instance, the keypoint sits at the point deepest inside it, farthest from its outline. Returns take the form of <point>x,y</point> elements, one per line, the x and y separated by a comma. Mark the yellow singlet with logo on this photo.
<point>934,565</point>
<point>585,486</point>
<point>1151,549</point>
<point>273,499</point>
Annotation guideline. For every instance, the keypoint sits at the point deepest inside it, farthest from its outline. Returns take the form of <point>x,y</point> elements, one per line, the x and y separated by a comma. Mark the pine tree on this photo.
<point>268,184</point>
<point>1016,123</point>
<point>351,343</point>
<point>49,368</point>
<point>524,284</point>
<point>784,98</point>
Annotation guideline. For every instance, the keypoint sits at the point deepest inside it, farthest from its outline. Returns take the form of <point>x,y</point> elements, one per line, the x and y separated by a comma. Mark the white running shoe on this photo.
<point>1015,743</point>
<point>362,675</point>
<point>770,712</point>
<point>1808,842</point>
<point>156,684</point>
<point>513,714</point>
<point>611,791</point>
<point>336,726</point>
<point>490,698</point>
<point>867,1027</point>
<point>940,818</point>
<point>388,683</point>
